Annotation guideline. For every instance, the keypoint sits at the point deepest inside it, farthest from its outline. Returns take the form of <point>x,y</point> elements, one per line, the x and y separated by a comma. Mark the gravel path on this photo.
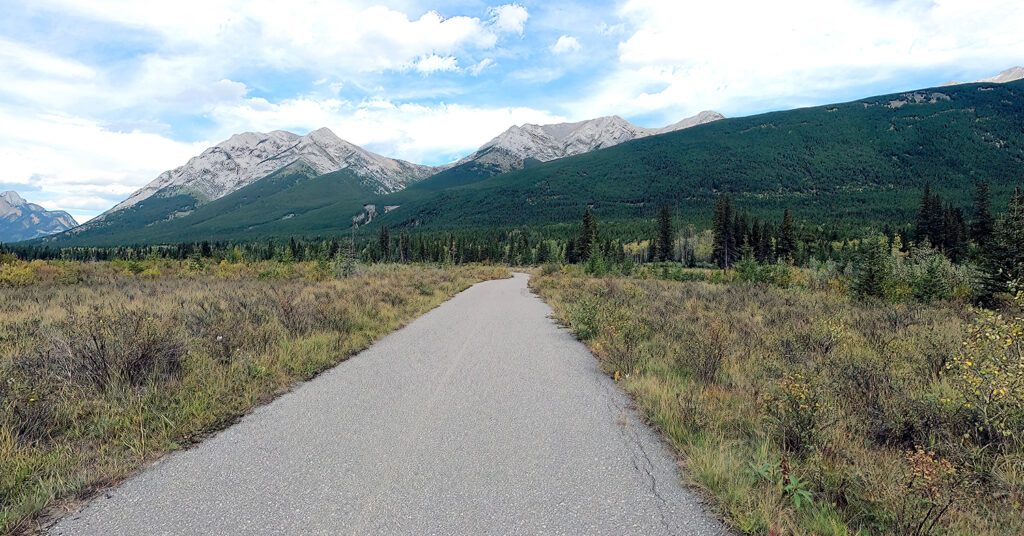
<point>480,417</point>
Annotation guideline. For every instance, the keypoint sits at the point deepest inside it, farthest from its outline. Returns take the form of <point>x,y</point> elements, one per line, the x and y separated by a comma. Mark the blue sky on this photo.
<point>100,96</point>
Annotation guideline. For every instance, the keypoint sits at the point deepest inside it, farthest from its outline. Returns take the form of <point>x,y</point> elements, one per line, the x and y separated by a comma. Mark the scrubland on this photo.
<point>802,410</point>
<point>106,366</point>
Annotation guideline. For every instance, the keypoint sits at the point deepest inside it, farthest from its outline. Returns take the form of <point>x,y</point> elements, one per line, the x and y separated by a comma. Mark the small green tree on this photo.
<point>347,264</point>
<point>873,269</point>
<point>724,247</point>
<point>982,221</point>
<point>1005,254</point>
<point>385,243</point>
<point>588,236</point>
<point>786,246</point>
<point>665,234</point>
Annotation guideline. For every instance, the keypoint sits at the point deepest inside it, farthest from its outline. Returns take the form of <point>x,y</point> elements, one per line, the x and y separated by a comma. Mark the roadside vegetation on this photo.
<point>878,389</point>
<point>816,378</point>
<point>105,366</point>
<point>802,409</point>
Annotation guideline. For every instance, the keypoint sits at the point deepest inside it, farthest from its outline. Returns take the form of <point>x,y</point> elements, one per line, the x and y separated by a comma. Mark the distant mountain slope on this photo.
<point>21,220</point>
<point>272,206</point>
<point>248,157</point>
<point>519,145</point>
<point>241,161</point>
<point>862,161</point>
<point>1009,75</point>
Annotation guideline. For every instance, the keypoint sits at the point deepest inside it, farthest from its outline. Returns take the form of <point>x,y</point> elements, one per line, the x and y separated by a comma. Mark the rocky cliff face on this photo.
<point>248,157</point>
<point>21,220</point>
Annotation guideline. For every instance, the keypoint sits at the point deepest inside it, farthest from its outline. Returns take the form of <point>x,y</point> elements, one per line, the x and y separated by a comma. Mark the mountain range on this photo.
<point>21,220</point>
<point>246,158</point>
<point>864,161</point>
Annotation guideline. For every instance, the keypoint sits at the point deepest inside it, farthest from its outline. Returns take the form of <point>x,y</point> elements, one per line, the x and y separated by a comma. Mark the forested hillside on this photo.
<point>864,161</point>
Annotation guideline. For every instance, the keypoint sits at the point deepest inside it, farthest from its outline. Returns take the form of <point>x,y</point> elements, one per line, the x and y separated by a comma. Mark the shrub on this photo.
<point>929,275</point>
<point>16,275</point>
<point>550,268</point>
<point>796,411</point>
<point>989,376</point>
<point>125,345</point>
<point>926,492</point>
<point>704,357</point>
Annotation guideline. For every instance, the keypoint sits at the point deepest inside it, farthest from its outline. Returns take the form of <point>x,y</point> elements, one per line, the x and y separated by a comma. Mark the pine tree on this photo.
<point>724,246</point>
<point>1005,254</point>
<point>755,240</point>
<point>922,227</point>
<point>981,218</point>
<point>786,244</point>
<point>764,254</point>
<point>348,264</point>
<point>873,270</point>
<point>953,232</point>
<point>665,234</point>
<point>385,244</point>
<point>588,237</point>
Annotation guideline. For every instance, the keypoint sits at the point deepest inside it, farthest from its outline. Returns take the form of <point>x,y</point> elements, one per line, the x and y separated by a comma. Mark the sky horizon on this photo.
<point>101,96</point>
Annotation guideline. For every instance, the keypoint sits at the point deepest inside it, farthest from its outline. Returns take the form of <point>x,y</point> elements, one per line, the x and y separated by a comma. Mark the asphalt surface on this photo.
<point>480,417</point>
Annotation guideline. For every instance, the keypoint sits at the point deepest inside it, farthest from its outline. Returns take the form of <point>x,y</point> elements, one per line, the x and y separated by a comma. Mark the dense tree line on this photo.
<point>992,243</point>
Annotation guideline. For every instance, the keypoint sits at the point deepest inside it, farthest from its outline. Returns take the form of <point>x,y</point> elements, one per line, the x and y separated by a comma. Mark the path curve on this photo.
<point>480,417</point>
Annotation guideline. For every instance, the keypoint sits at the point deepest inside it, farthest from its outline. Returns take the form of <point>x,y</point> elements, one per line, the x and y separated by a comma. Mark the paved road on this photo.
<point>481,417</point>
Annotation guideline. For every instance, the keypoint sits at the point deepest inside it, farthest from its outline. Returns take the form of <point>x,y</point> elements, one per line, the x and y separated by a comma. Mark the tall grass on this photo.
<point>803,411</point>
<point>105,366</point>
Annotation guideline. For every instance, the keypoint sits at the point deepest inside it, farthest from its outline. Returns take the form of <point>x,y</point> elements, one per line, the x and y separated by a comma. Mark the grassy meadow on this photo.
<point>800,410</point>
<point>106,366</point>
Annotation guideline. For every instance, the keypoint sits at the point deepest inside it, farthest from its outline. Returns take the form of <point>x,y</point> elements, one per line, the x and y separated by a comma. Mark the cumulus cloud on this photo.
<point>338,37</point>
<point>565,45</point>
<point>433,63</point>
<point>73,158</point>
<point>509,18</point>
<point>796,51</point>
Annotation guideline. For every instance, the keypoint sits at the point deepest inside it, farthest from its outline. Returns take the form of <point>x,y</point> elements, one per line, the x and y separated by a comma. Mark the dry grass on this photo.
<point>800,411</point>
<point>106,366</point>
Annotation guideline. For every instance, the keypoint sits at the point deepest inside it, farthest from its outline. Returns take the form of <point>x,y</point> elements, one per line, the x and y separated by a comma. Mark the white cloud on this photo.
<point>680,57</point>
<point>71,158</point>
<point>333,37</point>
<point>478,67</point>
<point>509,18</point>
<point>433,63</point>
<point>565,45</point>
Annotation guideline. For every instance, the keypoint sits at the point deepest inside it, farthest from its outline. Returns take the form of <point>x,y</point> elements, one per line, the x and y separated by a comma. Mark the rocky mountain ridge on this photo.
<point>511,149</point>
<point>245,158</point>
<point>21,220</point>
